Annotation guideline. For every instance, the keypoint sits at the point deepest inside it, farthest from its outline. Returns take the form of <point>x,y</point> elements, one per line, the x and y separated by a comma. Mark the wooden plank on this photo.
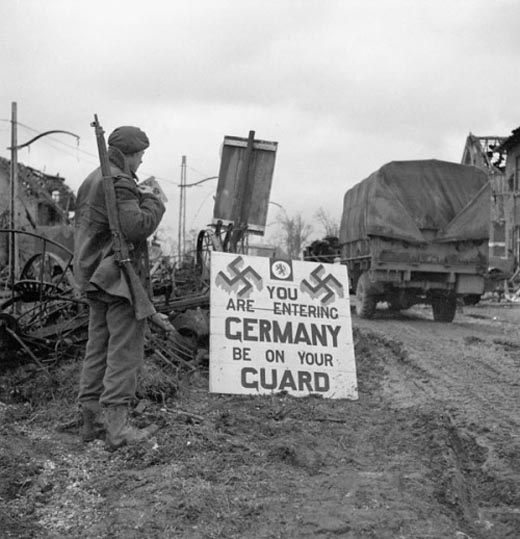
<point>244,184</point>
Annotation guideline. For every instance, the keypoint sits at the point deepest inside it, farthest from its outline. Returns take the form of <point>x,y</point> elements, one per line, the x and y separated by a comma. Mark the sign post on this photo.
<point>279,325</point>
<point>244,183</point>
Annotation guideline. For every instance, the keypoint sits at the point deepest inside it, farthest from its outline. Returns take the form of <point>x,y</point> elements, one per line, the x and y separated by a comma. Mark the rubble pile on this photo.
<point>44,320</point>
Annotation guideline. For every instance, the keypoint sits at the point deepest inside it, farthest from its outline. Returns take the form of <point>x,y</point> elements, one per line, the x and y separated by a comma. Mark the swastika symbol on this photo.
<point>329,286</point>
<point>241,280</point>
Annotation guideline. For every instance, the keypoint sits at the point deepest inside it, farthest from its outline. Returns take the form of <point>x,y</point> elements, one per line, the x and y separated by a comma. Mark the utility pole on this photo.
<point>14,261</point>
<point>183,186</point>
<point>182,211</point>
<point>13,197</point>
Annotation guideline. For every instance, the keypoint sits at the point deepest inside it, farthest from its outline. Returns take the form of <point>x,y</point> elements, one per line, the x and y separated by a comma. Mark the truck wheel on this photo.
<point>444,308</point>
<point>365,302</point>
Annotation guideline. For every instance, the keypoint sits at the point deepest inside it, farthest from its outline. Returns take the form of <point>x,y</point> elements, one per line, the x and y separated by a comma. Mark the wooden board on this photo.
<point>244,184</point>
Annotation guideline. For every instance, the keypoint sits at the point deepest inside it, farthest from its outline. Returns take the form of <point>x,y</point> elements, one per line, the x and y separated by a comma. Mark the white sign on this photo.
<point>280,325</point>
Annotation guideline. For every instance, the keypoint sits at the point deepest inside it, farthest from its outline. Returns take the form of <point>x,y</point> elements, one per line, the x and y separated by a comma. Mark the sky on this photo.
<point>343,86</point>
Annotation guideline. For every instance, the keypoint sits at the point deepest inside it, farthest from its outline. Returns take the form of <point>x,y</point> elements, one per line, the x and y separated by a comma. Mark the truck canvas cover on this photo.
<point>404,199</point>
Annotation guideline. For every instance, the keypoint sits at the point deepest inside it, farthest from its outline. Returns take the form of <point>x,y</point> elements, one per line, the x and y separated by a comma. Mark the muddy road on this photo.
<point>468,372</point>
<point>431,449</point>
<point>470,366</point>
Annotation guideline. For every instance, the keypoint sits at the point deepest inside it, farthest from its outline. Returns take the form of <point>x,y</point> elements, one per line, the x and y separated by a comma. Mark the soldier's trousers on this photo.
<point>114,351</point>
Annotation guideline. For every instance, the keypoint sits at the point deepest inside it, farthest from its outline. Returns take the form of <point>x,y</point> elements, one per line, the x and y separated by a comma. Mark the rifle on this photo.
<point>141,302</point>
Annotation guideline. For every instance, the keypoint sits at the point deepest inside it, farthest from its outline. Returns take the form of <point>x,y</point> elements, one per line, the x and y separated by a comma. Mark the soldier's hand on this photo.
<point>146,190</point>
<point>161,321</point>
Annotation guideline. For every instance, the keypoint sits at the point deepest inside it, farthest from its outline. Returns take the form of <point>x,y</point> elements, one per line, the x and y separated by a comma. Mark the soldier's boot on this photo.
<point>120,432</point>
<point>93,427</point>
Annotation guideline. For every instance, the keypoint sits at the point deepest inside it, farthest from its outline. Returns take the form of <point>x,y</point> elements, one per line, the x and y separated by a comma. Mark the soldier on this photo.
<point>115,346</point>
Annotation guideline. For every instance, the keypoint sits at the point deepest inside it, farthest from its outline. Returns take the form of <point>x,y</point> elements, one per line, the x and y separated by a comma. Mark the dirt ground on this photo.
<point>431,449</point>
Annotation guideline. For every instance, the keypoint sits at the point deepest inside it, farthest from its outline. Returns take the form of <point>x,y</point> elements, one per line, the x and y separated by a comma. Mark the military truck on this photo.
<point>417,232</point>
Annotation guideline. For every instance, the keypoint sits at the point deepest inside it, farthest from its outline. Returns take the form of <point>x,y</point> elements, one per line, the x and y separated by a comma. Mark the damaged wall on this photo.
<point>44,202</point>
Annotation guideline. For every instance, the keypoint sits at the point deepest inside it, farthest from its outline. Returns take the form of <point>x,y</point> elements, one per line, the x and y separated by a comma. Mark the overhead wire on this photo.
<point>203,174</point>
<point>77,149</point>
<point>200,208</point>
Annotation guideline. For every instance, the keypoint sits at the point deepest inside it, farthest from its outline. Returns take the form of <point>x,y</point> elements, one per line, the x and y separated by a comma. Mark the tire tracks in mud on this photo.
<point>465,375</point>
<point>459,366</point>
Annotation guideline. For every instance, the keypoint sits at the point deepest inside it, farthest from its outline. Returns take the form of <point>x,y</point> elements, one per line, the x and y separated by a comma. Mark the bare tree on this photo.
<point>330,225</point>
<point>168,240</point>
<point>165,236</point>
<point>294,234</point>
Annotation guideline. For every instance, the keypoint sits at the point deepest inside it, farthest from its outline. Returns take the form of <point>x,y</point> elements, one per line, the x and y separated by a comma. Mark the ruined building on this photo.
<point>44,206</point>
<point>511,148</point>
<point>489,153</point>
